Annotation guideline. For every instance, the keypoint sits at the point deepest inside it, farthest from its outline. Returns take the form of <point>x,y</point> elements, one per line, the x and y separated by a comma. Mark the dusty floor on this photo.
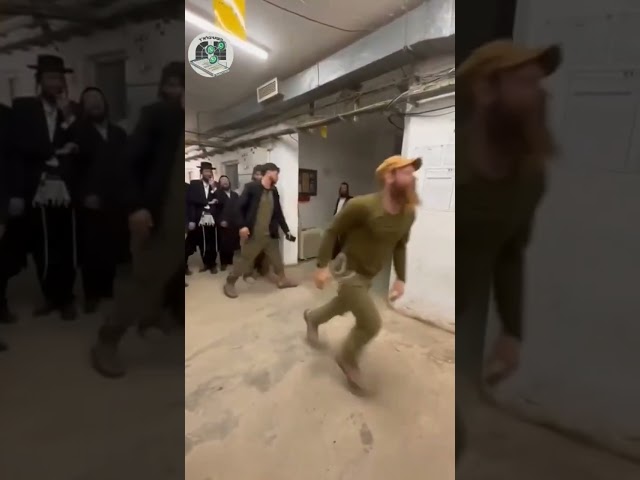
<point>260,404</point>
<point>59,420</point>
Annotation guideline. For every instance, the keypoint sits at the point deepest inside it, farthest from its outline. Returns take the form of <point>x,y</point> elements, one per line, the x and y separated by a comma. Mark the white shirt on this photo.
<point>51,113</point>
<point>341,203</point>
<point>103,130</point>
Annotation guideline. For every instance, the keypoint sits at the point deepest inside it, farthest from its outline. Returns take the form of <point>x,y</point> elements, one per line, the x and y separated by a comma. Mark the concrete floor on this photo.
<point>260,404</point>
<point>59,420</point>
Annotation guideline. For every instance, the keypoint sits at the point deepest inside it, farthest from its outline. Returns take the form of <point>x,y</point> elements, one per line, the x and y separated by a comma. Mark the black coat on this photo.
<point>248,209</point>
<point>6,175</point>
<point>335,209</point>
<point>97,160</point>
<point>197,201</point>
<point>226,210</point>
<point>148,159</point>
<point>33,148</point>
<point>186,205</point>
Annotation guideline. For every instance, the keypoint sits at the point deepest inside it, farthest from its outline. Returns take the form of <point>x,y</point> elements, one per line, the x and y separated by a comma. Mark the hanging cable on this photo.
<point>313,20</point>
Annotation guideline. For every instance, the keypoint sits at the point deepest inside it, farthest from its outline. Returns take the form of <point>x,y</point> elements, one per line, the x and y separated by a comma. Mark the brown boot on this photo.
<point>286,283</point>
<point>313,338</point>
<point>229,288</point>
<point>250,277</point>
<point>352,374</point>
<point>106,361</point>
<point>44,310</point>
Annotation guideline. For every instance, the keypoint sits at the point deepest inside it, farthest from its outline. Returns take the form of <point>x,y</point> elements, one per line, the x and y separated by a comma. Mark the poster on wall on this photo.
<point>308,182</point>
<point>438,189</point>
<point>589,144</point>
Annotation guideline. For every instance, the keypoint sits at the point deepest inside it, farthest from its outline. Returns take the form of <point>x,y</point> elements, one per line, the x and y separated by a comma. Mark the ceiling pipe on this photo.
<point>426,31</point>
<point>441,91</point>
<point>158,9</point>
<point>446,73</point>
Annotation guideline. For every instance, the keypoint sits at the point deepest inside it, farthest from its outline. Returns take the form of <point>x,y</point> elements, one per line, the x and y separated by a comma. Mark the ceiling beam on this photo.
<point>158,9</point>
<point>427,31</point>
<point>50,12</point>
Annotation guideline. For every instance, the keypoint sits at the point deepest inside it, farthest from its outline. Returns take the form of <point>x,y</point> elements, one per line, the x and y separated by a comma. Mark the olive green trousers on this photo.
<point>251,249</point>
<point>354,297</point>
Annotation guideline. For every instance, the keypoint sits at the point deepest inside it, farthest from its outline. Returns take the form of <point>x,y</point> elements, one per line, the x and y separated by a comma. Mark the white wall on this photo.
<point>350,153</point>
<point>284,153</point>
<point>581,355</point>
<point>430,288</point>
<point>147,46</point>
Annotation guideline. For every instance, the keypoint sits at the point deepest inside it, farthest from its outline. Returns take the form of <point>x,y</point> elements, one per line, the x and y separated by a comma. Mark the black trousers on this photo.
<point>228,243</point>
<point>54,249</point>
<point>204,239</point>
<point>174,296</point>
<point>99,246</point>
<point>13,254</point>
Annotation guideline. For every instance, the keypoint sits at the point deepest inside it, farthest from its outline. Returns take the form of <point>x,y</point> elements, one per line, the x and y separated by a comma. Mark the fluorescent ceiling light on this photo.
<point>208,26</point>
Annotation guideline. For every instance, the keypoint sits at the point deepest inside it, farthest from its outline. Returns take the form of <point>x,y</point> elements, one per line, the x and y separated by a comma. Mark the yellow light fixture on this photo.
<point>237,42</point>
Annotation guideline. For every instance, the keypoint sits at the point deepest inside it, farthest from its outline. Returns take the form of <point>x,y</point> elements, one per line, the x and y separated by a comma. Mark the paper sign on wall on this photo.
<point>438,189</point>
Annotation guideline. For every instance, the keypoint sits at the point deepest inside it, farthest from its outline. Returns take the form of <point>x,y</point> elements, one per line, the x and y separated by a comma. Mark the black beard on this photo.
<point>97,117</point>
<point>49,97</point>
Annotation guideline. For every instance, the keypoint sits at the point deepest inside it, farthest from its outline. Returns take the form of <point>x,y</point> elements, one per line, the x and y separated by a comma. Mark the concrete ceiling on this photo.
<point>293,43</point>
<point>38,23</point>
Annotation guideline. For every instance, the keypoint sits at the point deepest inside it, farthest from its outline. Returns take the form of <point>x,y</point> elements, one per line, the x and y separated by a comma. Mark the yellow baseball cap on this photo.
<point>395,162</point>
<point>501,55</point>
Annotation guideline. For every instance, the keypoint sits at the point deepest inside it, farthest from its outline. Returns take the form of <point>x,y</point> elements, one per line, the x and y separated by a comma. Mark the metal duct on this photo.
<point>425,31</point>
<point>446,88</point>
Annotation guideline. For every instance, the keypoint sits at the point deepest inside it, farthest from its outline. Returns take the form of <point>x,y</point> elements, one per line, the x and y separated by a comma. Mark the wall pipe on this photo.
<point>446,89</point>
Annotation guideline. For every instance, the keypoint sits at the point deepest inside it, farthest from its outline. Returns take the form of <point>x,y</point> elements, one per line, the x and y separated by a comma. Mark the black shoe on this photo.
<point>68,313</point>
<point>214,269</point>
<point>7,316</point>
<point>223,268</point>
<point>187,271</point>
<point>106,361</point>
<point>204,269</point>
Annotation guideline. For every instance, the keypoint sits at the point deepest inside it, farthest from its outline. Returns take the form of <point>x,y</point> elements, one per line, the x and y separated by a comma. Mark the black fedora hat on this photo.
<point>50,63</point>
<point>206,165</point>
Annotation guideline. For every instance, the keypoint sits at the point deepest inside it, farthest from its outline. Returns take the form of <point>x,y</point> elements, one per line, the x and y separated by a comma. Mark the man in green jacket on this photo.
<point>372,228</point>
<point>504,144</point>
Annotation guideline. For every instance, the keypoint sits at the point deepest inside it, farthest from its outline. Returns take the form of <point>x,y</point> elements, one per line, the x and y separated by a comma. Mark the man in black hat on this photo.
<point>152,192</point>
<point>101,144</point>
<point>260,216</point>
<point>45,156</point>
<point>172,83</point>
<point>226,217</point>
<point>201,220</point>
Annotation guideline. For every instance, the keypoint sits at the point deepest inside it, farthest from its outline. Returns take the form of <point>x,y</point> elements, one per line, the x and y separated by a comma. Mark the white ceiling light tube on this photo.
<point>208,26</point>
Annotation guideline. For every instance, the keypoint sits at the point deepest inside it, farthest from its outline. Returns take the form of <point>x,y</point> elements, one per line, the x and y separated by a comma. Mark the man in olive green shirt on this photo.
<point>503,146</point>
<point>260,217</point>
<point>371,228</point>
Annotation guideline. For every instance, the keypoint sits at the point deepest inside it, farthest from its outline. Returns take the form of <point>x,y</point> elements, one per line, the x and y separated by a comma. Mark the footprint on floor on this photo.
<point>366,437</point>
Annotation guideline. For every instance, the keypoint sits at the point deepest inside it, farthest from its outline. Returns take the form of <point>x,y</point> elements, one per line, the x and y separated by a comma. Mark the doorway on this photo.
<point>231,171</point>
